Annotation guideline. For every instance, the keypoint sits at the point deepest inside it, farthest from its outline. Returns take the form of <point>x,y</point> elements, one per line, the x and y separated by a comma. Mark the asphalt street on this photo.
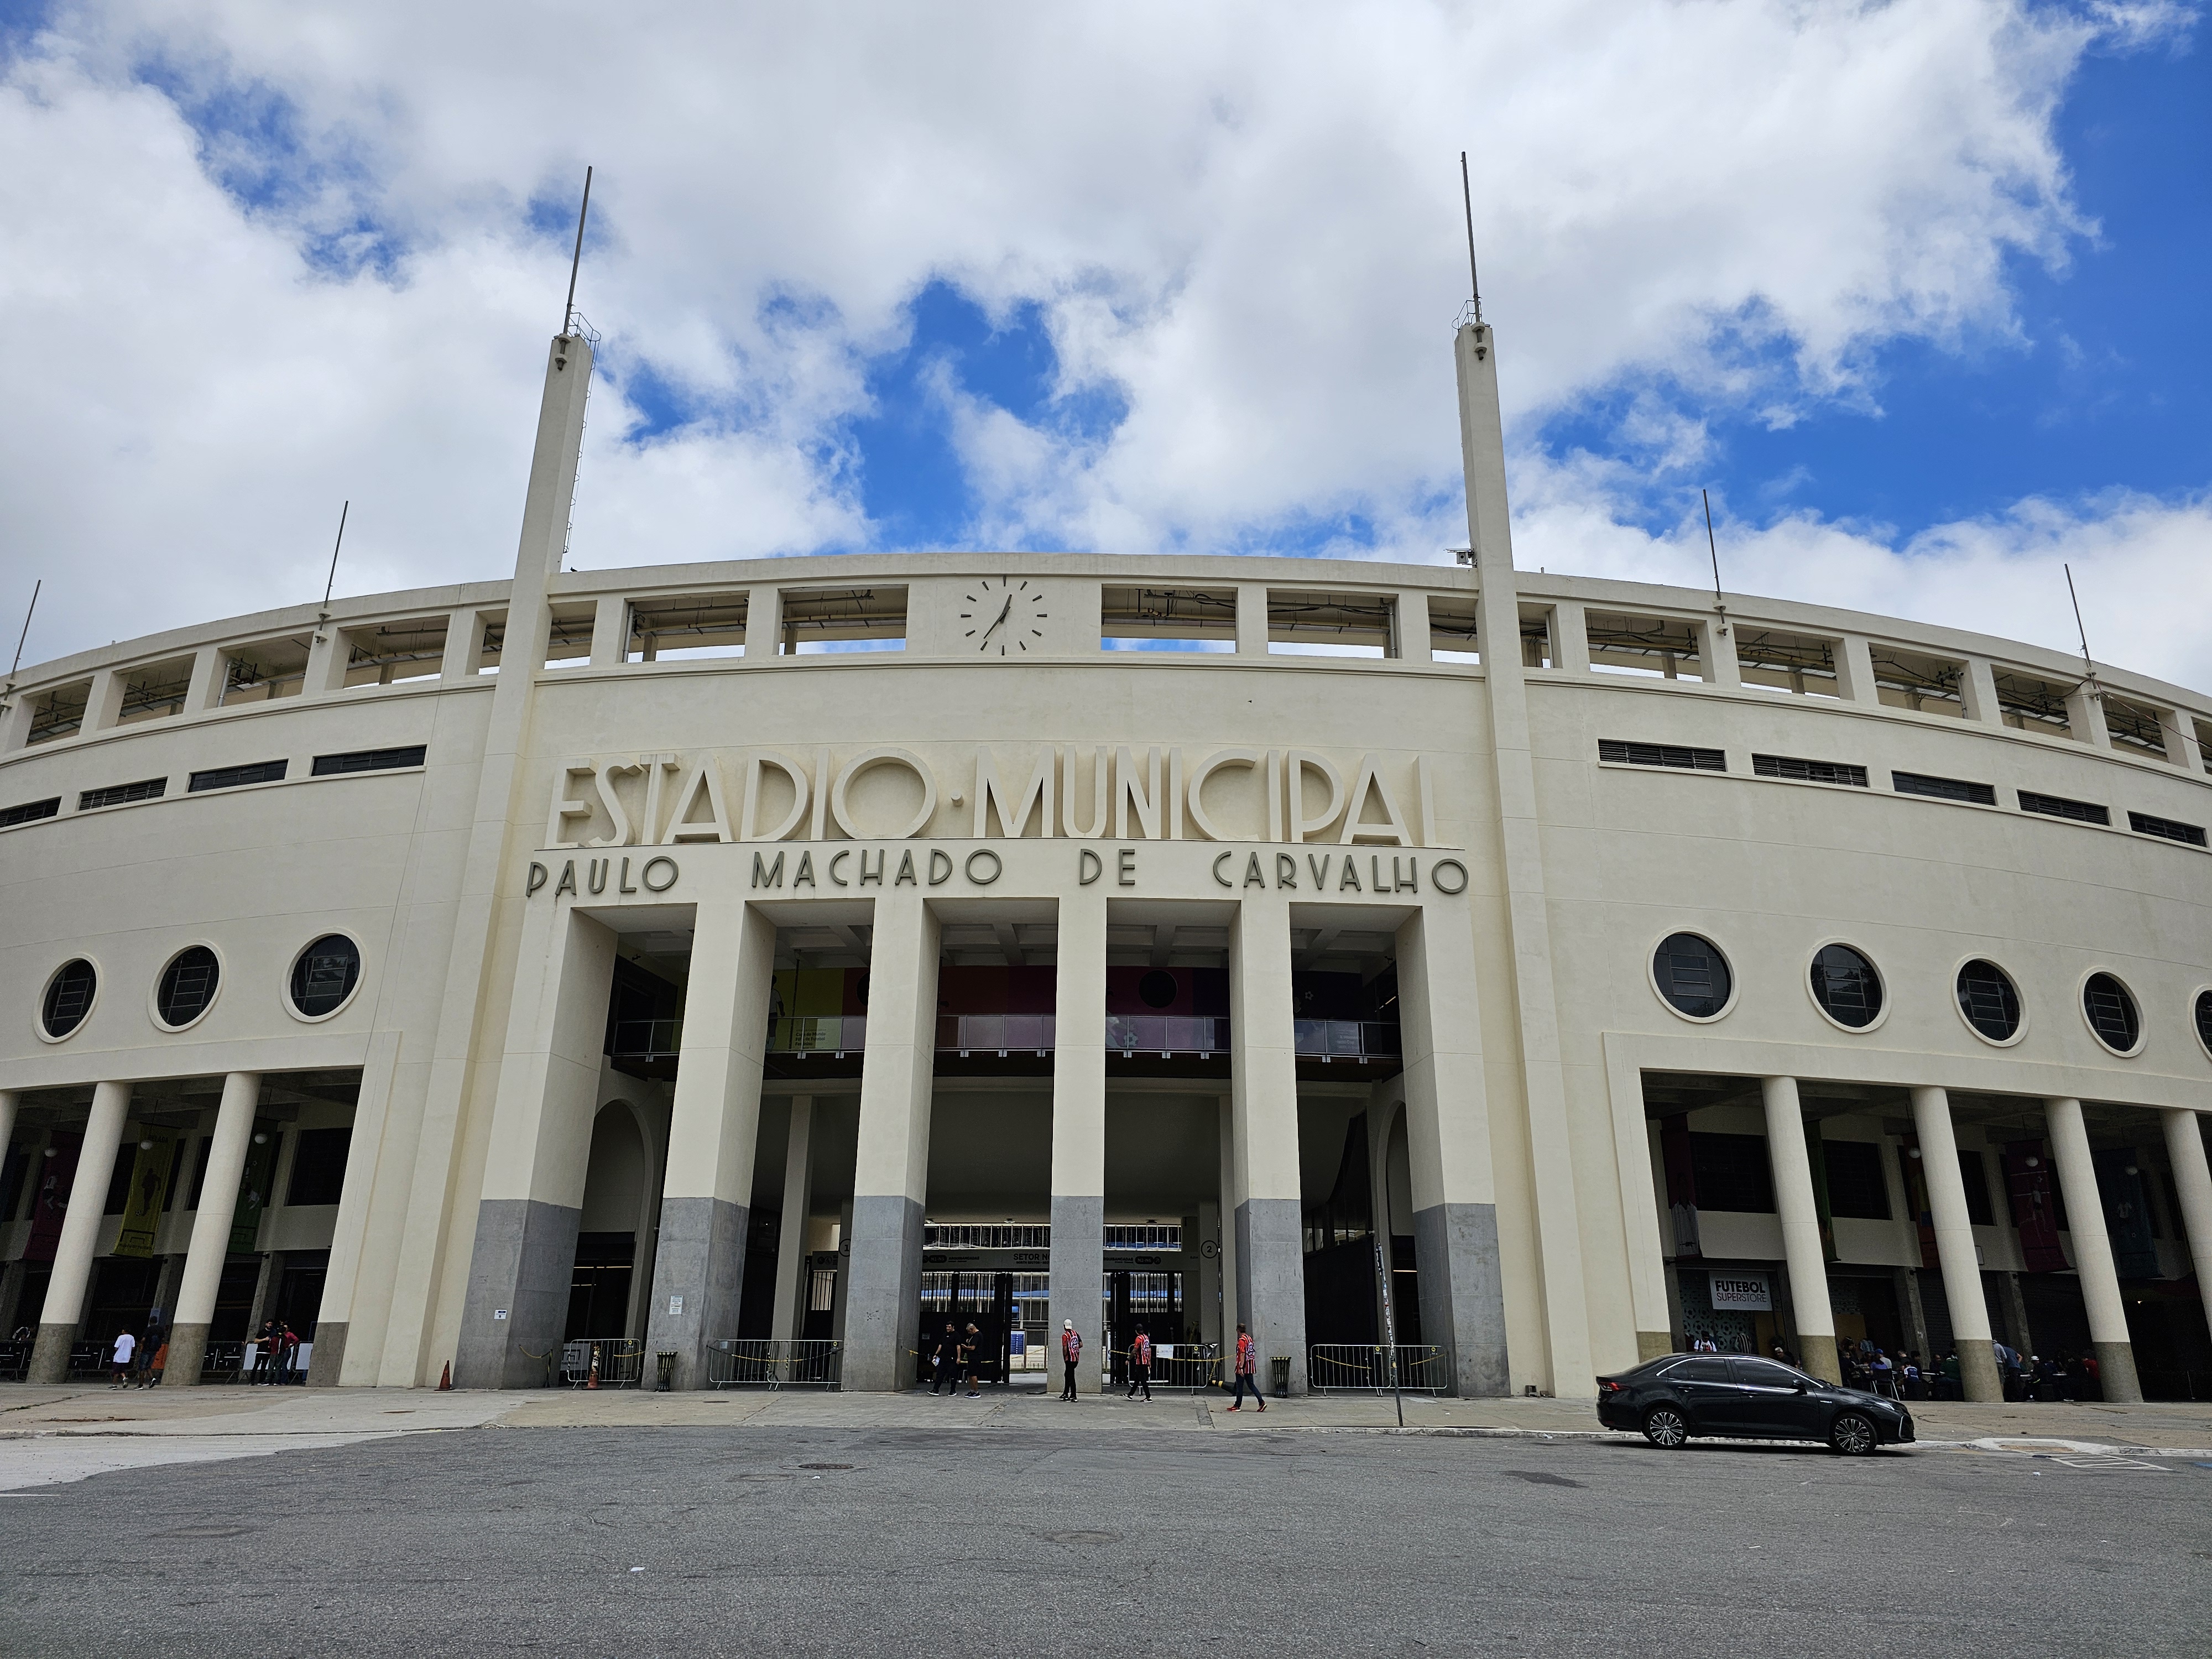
<point>760,1541</point>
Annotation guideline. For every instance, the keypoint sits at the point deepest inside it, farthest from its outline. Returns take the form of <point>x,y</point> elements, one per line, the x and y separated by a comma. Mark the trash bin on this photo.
<point>663,1371</point>
<point>1279,1376</point>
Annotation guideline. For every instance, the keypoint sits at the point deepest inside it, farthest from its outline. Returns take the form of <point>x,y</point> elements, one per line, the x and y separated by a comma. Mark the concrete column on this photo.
<point>2093,1249</point>
<point>791,1239</point>
<point>764,623</point>
<point>1252,619</point>
<point>1855,671</point>
<point>1977,689</point>
<point>2175,729</point>
<point>1231,1196</point>
<point>609,631</point>
<point>15,715</point>
<point>1570,637</point>
<point>1448,1150</point>
<point>210,1240</point>
<point>2085,717</point>
<point>1716,644</point>
<point>72,1269</point>
<point>890,1176</point>
<point>103,705</point>
<point>2192,1180</point>
<point>1263,1068</point>
<point>1801,1227</point>
<point>328,653</point>
<point>8,1100</point>
<point>1079,1115</point>
<point>1409,622</point>
<point>1954,1245</point>
<point>514,1312</point>
<point>464,642</point>
<point>206,688</point>
<point>713,1129</point>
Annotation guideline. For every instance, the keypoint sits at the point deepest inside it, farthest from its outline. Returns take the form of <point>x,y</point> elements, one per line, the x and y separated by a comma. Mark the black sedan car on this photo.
<point>1736,1396</point>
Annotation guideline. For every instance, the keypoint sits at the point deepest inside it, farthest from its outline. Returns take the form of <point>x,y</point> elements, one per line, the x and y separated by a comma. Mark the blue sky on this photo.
<point>1914,289</point>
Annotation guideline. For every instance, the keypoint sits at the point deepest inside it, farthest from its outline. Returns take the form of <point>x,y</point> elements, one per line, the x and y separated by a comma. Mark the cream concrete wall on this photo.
<point>1769,870</point>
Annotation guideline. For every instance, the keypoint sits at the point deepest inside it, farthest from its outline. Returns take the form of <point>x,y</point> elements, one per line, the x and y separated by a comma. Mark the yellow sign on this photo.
<point>150,1189</point>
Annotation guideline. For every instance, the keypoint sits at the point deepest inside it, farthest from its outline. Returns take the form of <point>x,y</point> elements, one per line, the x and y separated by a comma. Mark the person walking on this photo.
<point>125,1346</point>
<point>158,1364</point>
<point>287,1351</point>
<point>970,1341</point>
<point>942,1359</point>
<point>1140,1365</point>
<point>1247,1371</point>
<point>1071,1355</point>
<point>264,1356</point>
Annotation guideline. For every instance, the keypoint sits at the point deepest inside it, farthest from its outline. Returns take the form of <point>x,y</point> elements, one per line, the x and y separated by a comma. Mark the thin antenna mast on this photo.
<point>2089,666</point>
<point>25,634</point>
<point>569,315</point>
<point>333,580</point>
<point>1714,548</point>
<point>1467,199</point>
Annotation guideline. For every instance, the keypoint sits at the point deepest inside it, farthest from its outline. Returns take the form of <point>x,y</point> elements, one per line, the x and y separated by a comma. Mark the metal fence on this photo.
<point>620,1361</point>
<point>760,1363</point>
<point>1421,1368</point>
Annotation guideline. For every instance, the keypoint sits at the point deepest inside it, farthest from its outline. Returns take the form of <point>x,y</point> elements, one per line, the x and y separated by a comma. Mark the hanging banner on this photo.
<point>52,1201</point>
<point>2027,1179</point>
<point>1816,1155</point>
<point>2127,1213</point>
<point>149,1191</point>
<point>1682,1184</point>
<point>254,1183</point>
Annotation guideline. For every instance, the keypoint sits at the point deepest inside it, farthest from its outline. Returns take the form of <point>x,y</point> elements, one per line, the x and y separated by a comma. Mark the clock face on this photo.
<point>1002,615</point>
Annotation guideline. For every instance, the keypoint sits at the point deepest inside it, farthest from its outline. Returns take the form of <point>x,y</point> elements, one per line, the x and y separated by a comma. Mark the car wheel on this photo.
<point>1664,1427</point>
<point>1852,1434</point>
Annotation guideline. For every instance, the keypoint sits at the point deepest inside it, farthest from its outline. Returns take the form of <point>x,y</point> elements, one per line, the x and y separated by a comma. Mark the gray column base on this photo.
<point>1079,1266</point>
<point>524,1258</point>
<point>1463,1295</point>
<point>1649,1345</point>
<point>1271,1284</point>
<point>700,1258</point>
<point>188,1352</point>
<point>2116,1372</point>
<point>1978,1370</point>
<point>883,1306</point>
<point>49,1355</point>
<point>1817,1354</point>
<point>330,1353</point>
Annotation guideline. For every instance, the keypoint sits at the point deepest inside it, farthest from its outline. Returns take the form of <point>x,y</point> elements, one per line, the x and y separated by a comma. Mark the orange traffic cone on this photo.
<point>445,1378</point>
<point>594,1381</point>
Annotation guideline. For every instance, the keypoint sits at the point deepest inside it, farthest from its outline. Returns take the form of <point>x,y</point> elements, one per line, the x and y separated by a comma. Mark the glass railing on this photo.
<point>646,1037</point>
<point>1166,1034</point>
<point>1001,1034</point>
<point>1345,1039</point>
<point>818,1033</point>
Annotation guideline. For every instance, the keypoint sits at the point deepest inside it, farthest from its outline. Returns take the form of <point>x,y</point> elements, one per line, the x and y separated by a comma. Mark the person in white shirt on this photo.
<point>125,1346</point>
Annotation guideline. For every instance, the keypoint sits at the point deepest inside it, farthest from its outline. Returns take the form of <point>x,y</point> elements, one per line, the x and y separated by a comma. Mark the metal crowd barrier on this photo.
<point>620,1362</point>
<point>1422,1369</point>
<point>761,1362</point>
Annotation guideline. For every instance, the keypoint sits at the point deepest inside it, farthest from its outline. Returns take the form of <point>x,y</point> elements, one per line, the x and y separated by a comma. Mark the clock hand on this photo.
<point>1004,610</point>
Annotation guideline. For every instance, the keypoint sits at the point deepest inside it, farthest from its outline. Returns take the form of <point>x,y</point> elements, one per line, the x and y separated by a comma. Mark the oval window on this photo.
<point>188,986</point>
<point>1846,986</point>
<point>2204,1017</point>
<point>2111,1012</point>
<point>324,974</point>
<point>1988,1000</point>
<point>1693,976</point>
<point>69,998</point>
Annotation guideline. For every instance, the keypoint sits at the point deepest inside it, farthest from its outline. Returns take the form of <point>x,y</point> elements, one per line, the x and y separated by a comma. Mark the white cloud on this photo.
<point>1243,219</point>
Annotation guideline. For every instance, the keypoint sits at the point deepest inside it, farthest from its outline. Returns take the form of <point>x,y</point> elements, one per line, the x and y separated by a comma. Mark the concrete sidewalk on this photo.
<point>60,1434</point>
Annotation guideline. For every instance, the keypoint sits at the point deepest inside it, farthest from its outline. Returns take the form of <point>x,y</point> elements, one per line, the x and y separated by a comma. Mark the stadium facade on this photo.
<point>684,957</point>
